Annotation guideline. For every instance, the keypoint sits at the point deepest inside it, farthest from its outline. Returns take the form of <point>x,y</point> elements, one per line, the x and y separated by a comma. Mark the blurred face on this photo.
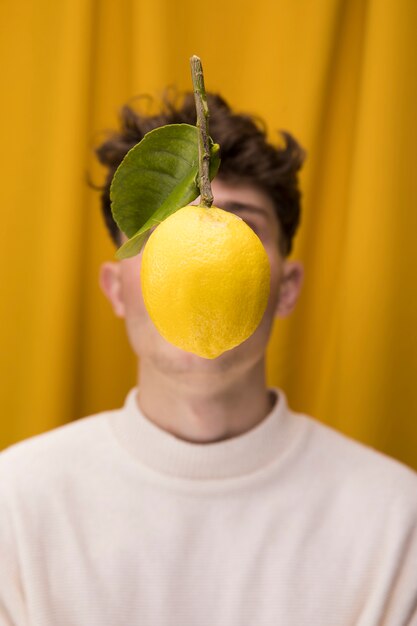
<point>121,283</point>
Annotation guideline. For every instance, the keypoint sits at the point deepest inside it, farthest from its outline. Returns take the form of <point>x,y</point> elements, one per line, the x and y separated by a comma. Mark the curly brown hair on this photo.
<point>246,155</point>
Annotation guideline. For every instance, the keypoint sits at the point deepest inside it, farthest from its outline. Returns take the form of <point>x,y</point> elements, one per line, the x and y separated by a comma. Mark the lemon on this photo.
<point>205,280</point>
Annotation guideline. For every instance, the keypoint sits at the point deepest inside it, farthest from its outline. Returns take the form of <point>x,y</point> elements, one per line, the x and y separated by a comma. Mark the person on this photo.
<point>205,499</point>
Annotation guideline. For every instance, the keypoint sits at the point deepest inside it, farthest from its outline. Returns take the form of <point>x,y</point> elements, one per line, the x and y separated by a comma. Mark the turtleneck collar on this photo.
<point>168,455</point>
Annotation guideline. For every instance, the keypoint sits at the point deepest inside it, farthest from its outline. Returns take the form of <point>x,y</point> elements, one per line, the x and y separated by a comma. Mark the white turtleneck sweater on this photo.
<point>111,521</point>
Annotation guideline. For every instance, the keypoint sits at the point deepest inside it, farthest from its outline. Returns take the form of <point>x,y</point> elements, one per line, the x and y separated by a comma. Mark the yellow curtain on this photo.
<point>340,74</point>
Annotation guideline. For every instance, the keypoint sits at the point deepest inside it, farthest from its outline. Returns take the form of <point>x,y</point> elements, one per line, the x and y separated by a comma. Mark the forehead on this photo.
<point>247,201</point>
<point>243,195</point>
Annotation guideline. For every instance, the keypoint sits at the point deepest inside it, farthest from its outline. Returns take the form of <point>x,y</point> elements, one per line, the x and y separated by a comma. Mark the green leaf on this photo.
<point>156,178</point>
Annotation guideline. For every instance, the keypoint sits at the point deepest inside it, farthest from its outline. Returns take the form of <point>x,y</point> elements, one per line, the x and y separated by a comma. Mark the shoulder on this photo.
<point>356,472</point>
<point>45,456</point>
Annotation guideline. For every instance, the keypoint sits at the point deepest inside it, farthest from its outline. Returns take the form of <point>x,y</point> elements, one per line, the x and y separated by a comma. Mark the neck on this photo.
<point>203,408</point>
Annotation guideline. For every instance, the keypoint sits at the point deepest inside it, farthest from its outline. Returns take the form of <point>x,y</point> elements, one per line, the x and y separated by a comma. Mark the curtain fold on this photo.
<point>340,75</point>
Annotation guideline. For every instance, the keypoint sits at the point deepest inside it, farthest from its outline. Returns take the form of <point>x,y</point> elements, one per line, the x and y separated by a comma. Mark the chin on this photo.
<point>172,360</point>
<point>157,353</point>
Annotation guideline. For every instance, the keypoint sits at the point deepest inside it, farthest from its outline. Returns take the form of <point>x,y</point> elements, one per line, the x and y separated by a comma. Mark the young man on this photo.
<point>206,500</point>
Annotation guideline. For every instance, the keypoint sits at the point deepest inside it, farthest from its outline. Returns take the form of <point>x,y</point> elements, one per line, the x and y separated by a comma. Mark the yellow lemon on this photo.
<point>205,280</point>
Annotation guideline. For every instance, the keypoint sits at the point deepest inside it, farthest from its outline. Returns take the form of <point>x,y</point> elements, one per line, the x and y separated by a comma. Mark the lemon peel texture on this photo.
<point>205,280</point>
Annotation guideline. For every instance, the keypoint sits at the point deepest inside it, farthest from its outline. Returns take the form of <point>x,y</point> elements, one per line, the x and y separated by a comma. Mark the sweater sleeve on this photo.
<point>402,601</point>
<point>12,607</point>
<point>393,600</point>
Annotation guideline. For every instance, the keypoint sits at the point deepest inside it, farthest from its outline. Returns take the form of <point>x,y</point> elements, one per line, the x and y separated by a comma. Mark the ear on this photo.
<point>111,286</point>
<point>290,287</point>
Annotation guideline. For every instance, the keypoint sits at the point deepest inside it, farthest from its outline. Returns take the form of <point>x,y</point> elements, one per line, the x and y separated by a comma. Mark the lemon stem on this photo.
<point>206,195</point>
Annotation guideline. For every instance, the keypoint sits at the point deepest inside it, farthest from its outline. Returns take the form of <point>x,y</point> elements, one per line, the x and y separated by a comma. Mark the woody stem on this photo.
<point>206,195</point>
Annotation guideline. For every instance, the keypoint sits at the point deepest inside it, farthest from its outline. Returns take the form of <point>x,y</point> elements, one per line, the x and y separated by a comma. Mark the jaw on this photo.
<point>175,367</point>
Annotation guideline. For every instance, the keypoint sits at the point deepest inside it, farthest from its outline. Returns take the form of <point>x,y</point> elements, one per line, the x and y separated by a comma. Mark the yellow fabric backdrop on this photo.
<point>340,74</point>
